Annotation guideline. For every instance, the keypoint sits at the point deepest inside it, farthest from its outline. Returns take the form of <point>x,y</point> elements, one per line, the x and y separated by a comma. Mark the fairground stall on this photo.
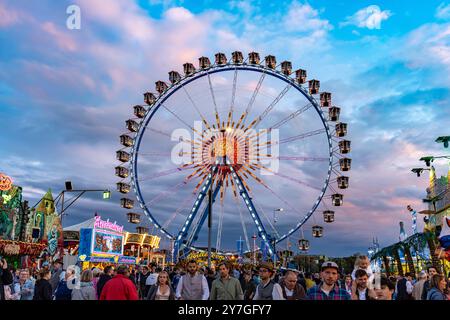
<point>28,237</point>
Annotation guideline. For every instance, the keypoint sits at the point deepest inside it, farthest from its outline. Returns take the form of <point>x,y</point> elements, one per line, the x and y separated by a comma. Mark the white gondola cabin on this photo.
<point>341,129</point>
<point>126,203</point>
<point>314,86</point>
<point>286,68</point>
<point>344,146</point>
<point>142,230</point>
<point>325,99</point>
<point>253,58</point>
<point>188,68</point>
<point>123,187</point>
<point>345,164</point>
<point>122,156</point>
<point>134,218</point>
<point>333,113</point>
<point>161,86</point>
<point>237,57</point>
<point>122,172</point>
<point>342,182</point>
<point>149,98</point>
<point>328,216</point>
<point>317,231</point>
<point>337,199</point>
<point>132,125</point>
<point>139,111</point>
<point>174,77</point>
<point>303,245</point>
<point>126,140</point>
<point>221,58</point>
<point>300,76</point>
<point>271,62</point>
<point>204,63</point>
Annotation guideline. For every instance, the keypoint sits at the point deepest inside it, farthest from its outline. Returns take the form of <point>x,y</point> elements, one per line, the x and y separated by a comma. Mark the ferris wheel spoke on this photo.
<point>220,226</point>
<point>233,97</point>
<point>179,118</point>
<point>268,220</point>
<point>314,159</point>
<point>299,137</point>
<point>167,172</point>
<point>258,119</point>
<point>291,116</point>
<point>211,90</point>
<point>252,100</point>
<point>166,193</point>
<point>183,206</point>
<point>160,132</point>
<point>196,108</point>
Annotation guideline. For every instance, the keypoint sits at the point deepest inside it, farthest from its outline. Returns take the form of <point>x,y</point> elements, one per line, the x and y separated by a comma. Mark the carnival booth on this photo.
<point>102,245</point>
<point>27,235</point>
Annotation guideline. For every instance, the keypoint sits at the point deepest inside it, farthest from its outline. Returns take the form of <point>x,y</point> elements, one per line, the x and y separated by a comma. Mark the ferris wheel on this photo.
<point>265,141</point>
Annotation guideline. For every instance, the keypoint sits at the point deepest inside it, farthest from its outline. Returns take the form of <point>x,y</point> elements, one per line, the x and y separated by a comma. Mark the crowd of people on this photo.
<point>227,282</point>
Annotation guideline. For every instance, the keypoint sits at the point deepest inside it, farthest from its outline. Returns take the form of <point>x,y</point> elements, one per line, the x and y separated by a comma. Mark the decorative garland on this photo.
<point>15,248</point>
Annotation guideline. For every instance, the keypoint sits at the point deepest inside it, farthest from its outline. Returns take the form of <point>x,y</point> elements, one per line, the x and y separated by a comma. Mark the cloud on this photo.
<point>443,11</point>
<point>369,17</point>
<point>303,17</point>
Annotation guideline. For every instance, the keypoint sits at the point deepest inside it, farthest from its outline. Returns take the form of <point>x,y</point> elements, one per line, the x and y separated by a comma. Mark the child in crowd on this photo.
<point>363,262</point>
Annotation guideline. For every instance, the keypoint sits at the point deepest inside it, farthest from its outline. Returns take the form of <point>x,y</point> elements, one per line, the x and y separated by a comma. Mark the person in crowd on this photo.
<point>291,289</point>
<point>309,281</point>
<point>328,289</point>
<point>132,276</point>
<point>256,278</point>
<point>236,273</point>
<point>24,287</point>
<point>43,289</point>
<point>210,277</point>
<point>248,285</point>
<point>301,280</point>
<point>226,287</point>
<point>360,288</point>
<point>192,286</point>
<point>176,278</point>
<point>56,270</point>
<point>141,278</point>
<point>437,287</point>
<point>96,272</point>
<point>152,277</point>
<point>316,279</point>
<point>267,289</point>
<point>418,286</point>
<point>404,288</point>
<point>383,288</point>
<point>162,290</point>
<point>363,262</point>
<point>347,284</point>
<point>427,285</point>
<point>107,275</point>
<point>86,290</point>
<point>120,287</point>
<point>65,286</point>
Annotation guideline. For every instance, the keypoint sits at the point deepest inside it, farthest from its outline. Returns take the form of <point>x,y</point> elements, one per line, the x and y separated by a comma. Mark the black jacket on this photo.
<point>154,289</point>
<point>101,283</point>
<point>6,279</point>
<point>42,290</point>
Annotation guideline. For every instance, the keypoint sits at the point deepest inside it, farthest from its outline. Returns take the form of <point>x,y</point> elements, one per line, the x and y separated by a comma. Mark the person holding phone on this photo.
<point>6,277</point>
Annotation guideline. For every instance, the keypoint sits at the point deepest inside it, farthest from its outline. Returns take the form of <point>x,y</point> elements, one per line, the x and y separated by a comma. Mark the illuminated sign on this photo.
<point>107,243</point>
<point>5,182</point>
<point>107,225</point>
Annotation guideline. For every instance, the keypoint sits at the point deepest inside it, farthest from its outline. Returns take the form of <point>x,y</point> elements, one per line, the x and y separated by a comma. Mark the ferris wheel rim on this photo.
<point>197,74</point>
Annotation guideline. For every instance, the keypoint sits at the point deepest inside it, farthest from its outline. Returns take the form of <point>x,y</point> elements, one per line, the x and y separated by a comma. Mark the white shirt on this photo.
<point>409,287</point>
<point>362,294</point>
<point>205,288</point>
<point>289,293</point>
<point>277,293</point>
<point>151,279</point>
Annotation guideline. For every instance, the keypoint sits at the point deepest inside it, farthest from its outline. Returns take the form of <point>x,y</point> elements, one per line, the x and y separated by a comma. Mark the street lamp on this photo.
<point>419,171</point>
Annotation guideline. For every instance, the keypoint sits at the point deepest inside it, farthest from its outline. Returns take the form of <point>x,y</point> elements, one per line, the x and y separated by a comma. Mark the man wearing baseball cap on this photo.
<point>328,289</point>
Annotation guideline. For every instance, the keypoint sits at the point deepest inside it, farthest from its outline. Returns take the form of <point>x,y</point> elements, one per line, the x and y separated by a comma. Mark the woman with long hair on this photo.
<point>86,291</point>
<point>162,290</point>
<point>438,285</point>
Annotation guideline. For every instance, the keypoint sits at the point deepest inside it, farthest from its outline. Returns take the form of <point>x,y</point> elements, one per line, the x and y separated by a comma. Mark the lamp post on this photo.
<point>274,241</point>
<point>210,218</point>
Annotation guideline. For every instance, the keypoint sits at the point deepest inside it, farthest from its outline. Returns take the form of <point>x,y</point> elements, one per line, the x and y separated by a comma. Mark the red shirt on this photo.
<point>119,288</point>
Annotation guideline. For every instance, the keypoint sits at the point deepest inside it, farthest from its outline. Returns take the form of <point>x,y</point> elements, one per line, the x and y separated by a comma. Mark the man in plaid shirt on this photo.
<point>328,289</point>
